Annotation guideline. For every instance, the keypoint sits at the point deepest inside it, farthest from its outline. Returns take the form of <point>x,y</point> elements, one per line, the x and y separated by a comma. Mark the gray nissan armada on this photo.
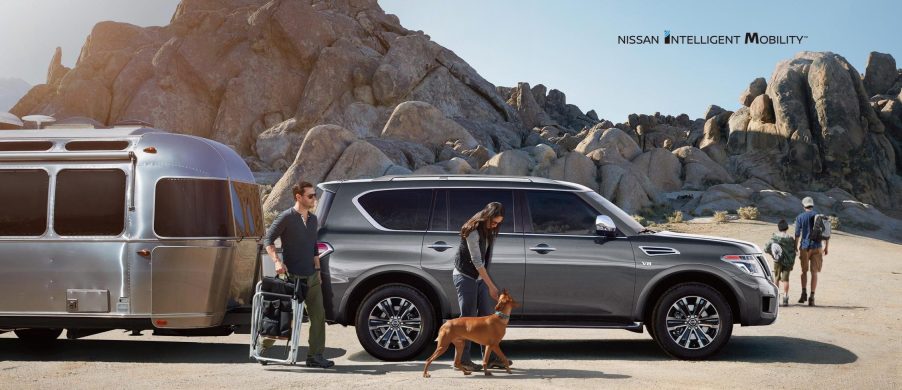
<point>571,257</point>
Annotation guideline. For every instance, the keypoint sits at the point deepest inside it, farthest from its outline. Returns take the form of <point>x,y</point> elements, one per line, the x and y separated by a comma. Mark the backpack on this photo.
<point>820,228</point>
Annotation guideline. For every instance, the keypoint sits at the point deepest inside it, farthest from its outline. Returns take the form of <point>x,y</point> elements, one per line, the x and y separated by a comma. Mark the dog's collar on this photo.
<point>502,315</point>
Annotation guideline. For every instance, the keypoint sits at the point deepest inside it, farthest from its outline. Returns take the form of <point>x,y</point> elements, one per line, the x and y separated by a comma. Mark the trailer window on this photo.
<point>247,209</point>
<point>193,208</point>
<point>89,202</point>
<point>23,202</point>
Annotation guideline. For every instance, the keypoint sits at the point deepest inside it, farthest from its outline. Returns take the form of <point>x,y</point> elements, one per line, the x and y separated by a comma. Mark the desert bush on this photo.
<point>641,220</point>
<point>676,217</point>
<point>748,212</point>
<point>720,216</point>
<point>834,222</point>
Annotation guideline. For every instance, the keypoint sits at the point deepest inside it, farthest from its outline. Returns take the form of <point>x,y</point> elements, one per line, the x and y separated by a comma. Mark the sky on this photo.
<point>570,45</point>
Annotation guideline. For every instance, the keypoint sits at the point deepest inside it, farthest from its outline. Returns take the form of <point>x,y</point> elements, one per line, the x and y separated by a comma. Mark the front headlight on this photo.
<point>747,263</point>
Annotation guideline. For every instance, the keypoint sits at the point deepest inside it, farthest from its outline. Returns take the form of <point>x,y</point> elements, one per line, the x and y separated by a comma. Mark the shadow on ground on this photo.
<point>753,349</point>
<point>758,349</point>
<point>126,351</point>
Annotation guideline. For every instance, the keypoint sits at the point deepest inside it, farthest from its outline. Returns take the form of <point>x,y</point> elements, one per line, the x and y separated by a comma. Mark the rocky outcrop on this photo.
<point>337,90</point>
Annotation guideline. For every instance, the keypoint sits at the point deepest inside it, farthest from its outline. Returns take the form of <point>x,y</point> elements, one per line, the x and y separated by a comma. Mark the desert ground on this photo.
<point>852,339</point>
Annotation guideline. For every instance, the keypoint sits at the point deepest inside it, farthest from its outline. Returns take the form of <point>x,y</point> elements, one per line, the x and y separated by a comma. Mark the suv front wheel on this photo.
<point>395,322</point>
<point>692,321</point>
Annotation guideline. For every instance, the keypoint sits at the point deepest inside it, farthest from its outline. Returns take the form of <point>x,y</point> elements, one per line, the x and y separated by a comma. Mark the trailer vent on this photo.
<point>25,146</point>
<point>96,145</point>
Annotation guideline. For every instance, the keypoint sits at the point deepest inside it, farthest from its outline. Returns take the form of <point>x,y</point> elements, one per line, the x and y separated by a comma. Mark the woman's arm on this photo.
<point>479,263</point>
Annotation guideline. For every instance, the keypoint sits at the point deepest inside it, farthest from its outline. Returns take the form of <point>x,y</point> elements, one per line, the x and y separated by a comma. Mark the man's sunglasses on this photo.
<point>310,196</point>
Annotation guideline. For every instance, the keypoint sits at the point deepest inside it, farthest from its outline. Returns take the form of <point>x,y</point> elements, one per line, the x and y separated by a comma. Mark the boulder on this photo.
<point>277,142</point>
<point>662,168</point>
<point>699,171</point>
<point>762,110</point>
<point>509,163</point>
<point>880,73</point>
<point>612,138</point>
<point>421,122</point>
<point>576,168</point>
<point>712,111</point>
<point>723,197</point>
<point>321,149</point>
<point>410,155</point>
<point>756,88</point>
<point>362,160</point>
<point>628,187</point>
<point>407,62</point>
<point>778,204</point>
<point>531,113</point>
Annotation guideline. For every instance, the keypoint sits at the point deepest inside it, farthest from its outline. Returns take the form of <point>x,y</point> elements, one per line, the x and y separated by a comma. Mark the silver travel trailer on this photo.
<point>125,228</point>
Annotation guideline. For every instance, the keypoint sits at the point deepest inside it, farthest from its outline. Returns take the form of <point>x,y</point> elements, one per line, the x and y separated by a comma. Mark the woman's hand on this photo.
<point>493,291</point>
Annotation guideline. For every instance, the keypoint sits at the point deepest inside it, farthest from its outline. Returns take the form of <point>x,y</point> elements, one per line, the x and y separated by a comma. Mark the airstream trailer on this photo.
<point>125,228</point>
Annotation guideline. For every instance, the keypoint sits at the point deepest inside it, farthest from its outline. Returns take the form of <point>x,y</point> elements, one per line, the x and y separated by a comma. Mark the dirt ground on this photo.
<point>853,339</point>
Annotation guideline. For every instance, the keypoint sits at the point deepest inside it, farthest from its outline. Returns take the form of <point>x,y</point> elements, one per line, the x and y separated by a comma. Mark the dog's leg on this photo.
<point>438,352</point>
<point>485,360</point>
<point>497,349</point>
<point>458,353</point>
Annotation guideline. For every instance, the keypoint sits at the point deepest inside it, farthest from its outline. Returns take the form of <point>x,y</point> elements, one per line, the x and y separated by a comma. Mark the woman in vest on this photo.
<point>476,292</point>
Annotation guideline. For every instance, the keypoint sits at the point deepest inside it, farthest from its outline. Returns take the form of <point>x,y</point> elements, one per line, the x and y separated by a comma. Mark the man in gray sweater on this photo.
<point>297,229</point>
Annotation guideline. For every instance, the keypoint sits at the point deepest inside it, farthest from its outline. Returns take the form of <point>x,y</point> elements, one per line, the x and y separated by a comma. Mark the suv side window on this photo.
<point>558,212</point>
<point>399,209</point>
<point>464,203</point>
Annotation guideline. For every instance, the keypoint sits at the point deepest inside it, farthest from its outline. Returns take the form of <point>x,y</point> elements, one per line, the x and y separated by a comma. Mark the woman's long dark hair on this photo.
<point>481,221</point>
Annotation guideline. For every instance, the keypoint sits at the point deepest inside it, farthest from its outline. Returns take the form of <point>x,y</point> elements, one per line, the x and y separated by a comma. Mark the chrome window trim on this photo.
<point>376,225</point>
<point>50,186</point>
<point>125,205</point>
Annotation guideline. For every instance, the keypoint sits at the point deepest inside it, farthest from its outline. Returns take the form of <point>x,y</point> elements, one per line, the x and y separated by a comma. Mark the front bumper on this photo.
<point>758,302</point>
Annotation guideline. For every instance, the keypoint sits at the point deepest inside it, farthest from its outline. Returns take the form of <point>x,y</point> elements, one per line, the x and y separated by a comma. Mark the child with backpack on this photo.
<point>782,249</point>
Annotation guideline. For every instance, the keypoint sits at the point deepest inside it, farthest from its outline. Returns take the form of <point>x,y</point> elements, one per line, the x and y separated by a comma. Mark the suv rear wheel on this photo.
<point>395,322</point>
<point>692,321</point>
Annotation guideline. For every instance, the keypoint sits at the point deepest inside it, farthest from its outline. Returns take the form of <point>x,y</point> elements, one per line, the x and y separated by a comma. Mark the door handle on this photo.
<point>440,246</point>
<point>542,249</point>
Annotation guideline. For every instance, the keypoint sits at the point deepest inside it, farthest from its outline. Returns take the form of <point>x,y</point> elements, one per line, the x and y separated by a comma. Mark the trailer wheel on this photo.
<point>38,335</point>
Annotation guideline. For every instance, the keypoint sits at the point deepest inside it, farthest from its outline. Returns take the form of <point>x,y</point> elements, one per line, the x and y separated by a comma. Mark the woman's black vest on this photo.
<point>464,263</point>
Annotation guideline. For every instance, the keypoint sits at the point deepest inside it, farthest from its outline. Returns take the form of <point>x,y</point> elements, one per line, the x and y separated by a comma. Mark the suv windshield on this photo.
<point>618,213</point>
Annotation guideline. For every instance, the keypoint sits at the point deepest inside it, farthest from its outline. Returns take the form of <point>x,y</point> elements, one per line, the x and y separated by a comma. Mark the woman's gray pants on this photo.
<point>474,300</point>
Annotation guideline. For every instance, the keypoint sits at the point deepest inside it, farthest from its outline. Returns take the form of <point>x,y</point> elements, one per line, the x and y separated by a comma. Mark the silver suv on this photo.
<point>571,257</point>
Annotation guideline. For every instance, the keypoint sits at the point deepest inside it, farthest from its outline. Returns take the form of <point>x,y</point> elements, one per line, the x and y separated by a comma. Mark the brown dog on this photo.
<point>487,331</point>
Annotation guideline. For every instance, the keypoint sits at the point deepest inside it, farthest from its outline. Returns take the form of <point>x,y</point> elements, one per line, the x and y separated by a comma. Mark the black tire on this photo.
<point>701,320</point>
<point>391,346</point>
<point>38,335</point>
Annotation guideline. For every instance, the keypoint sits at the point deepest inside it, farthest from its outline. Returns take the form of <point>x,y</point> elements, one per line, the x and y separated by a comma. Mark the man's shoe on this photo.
<point>319,361</point>
<point>811,301</point>
<point>497,364</point>
<point>804,297</point>
<point>470,366</point>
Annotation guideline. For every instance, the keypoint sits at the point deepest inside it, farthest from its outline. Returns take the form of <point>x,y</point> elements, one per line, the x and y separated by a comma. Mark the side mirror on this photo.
<point>604,226</point>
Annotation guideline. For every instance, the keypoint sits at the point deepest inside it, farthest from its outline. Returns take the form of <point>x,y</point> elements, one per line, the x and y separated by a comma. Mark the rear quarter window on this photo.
<point>398,209</point>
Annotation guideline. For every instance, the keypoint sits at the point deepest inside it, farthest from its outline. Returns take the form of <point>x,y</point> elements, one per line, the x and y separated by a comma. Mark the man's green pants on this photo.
<point>316,314</point>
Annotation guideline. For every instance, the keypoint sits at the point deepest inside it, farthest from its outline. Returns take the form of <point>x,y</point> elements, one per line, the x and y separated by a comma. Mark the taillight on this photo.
<point>323,248</point>
<point>747,263</point>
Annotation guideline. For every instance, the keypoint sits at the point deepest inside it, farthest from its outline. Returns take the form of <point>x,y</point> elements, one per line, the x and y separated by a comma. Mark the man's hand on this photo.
<point>280,267</point>
<point>826,249</point>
